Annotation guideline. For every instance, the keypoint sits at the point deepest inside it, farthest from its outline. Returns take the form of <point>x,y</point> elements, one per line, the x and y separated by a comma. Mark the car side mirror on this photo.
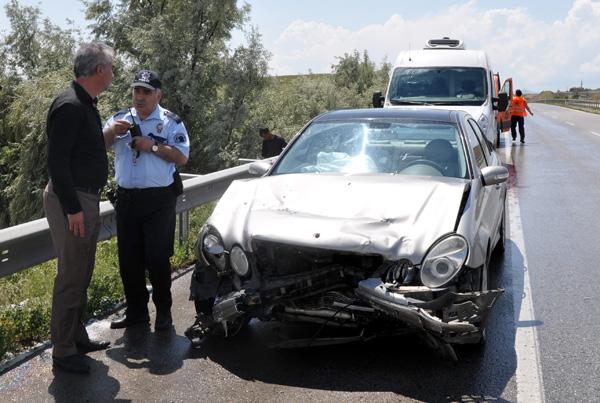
<point>494,175</point>
<point>378,99</point>
<point>259,168</point>
<point>502,101</point>
<point>494,103</point>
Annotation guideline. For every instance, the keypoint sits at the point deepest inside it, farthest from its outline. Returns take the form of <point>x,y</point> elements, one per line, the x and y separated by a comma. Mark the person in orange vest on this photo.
<point>518,110</point>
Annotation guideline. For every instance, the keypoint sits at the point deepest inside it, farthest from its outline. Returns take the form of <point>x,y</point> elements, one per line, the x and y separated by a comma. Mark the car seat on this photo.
<point>442,153</point>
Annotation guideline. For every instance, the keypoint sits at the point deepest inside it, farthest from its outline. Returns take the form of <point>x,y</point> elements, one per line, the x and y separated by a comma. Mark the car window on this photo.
<point>385,146</point>
<point>482,140</point>
<point>477,147</point>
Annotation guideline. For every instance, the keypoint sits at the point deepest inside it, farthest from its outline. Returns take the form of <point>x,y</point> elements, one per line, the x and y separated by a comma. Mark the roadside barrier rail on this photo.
<point>28,244</point>
<point>580,103</point>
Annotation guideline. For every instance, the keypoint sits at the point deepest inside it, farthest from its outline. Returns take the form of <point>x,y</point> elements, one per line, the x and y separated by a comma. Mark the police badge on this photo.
<point>159,127</point>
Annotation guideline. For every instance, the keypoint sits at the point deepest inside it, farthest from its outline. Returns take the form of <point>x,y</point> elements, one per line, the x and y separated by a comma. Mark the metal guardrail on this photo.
<point>581,103</point>
<point>28,244</point>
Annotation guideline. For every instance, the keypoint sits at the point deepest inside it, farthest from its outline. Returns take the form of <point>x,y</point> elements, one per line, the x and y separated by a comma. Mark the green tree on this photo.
<point>355,72</point>
<point>36,65</point>
<point>234,131</point>
<point>186,42</point>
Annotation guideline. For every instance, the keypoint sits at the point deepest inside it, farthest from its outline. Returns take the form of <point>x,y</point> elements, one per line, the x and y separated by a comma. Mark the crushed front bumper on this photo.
<point>465,310</point>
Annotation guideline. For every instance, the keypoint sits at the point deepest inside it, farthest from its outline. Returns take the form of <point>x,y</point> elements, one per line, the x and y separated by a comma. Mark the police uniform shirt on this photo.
<point>147,169</point>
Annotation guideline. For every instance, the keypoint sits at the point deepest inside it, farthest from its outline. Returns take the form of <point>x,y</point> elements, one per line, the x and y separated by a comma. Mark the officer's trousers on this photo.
<point>75,264</point>
<point>145,236</point>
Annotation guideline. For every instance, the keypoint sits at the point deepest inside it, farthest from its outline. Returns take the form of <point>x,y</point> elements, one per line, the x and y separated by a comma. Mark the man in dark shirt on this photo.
<point>272,144</point>
<point>78,169</point>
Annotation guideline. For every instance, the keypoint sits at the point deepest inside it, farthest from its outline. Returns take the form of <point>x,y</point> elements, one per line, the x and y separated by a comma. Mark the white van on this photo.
<point>447,76</point>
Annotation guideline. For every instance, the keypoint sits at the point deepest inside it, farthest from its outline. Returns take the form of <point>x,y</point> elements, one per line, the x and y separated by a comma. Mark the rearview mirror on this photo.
<point>502,101</point>
<point>259,168</point>
<point>378,99</point>
<point>494,175</point>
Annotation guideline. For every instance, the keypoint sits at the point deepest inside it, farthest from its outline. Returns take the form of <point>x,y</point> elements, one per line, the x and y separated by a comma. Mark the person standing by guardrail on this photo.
<point>518,110</point>
<point>148,141</point>
<point>272,144</point>
<point>78,169</point>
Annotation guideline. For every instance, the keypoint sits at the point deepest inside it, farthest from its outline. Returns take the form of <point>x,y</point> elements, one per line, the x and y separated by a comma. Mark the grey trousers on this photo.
<point>76,259</point>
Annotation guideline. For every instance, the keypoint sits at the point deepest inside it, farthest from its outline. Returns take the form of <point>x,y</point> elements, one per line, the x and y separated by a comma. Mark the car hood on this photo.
<point>391,215</point>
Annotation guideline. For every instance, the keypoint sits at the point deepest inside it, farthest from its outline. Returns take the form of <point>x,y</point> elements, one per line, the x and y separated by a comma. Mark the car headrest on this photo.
<point>440,150</point>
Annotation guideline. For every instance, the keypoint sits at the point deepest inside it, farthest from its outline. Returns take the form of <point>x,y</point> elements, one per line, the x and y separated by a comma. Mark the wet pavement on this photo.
<point>143,365</point>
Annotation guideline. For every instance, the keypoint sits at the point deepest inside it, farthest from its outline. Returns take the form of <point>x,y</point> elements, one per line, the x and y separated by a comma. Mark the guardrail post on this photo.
<point>184,226</point>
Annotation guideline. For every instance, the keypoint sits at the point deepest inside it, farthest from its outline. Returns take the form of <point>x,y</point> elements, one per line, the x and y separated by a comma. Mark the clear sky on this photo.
<point>542,44</point>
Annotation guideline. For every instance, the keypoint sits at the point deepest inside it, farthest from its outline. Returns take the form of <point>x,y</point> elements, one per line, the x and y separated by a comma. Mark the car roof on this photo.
<point>438,115</point>
<point>442,58</point>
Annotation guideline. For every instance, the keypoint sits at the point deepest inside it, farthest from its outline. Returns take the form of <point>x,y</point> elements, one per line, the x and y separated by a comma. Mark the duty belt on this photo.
<point>144,191</point>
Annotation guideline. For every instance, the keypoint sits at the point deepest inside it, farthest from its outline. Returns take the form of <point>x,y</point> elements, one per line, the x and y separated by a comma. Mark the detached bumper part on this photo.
<point>469,309</point>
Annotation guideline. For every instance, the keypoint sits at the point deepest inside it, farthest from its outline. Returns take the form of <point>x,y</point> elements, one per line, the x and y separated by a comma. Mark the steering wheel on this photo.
<point>429,163</point>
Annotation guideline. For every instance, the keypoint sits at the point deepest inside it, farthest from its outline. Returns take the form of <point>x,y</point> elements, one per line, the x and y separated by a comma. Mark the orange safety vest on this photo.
<point>517,106</point>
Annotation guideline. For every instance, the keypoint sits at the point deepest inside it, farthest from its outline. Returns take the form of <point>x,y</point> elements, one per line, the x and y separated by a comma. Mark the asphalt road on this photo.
<point>557,186</point>
<point>552,227</point>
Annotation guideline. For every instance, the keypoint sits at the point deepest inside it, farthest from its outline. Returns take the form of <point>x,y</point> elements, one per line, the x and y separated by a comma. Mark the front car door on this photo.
<point>504,117</point>
<point>490,199</point>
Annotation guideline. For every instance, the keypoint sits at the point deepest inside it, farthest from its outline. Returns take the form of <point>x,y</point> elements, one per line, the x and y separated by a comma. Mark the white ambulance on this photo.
<point>445,75</point>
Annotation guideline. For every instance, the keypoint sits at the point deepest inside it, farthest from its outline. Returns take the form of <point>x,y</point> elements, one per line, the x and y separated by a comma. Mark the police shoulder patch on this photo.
<point>173,116</point>
<point>121,112</point>
<point>180,138</point>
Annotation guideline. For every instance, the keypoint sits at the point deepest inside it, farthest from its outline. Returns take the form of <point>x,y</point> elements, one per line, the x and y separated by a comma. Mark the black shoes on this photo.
<point>128,321</point>
<point>92,345</point>
<point>72,363</point>
<point>522,141</point>
<point>164,321</point>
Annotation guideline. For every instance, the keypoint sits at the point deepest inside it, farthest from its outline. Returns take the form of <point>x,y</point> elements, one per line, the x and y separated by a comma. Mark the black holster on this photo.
<point>177,185</point>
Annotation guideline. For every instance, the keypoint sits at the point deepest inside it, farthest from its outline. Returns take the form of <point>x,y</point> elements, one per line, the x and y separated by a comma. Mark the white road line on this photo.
<point>569,123</point>
<point>594,133</point>
<point>530,387</point>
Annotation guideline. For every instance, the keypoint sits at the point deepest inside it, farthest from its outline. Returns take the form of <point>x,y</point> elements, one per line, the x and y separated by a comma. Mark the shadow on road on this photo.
<point>161,352</point>
<point>66,387</point>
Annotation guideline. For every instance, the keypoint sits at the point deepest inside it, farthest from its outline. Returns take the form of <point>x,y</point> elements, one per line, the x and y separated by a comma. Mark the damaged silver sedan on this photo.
<point>379,221</point>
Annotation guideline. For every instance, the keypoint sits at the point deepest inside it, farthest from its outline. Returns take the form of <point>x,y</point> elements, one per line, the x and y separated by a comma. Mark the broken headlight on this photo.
<point>211,248</point>
<point>239,261</point>
<point>444,260</point>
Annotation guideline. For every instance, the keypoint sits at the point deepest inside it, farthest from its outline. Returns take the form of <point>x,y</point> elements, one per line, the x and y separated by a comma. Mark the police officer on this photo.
<point>148,141</point>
